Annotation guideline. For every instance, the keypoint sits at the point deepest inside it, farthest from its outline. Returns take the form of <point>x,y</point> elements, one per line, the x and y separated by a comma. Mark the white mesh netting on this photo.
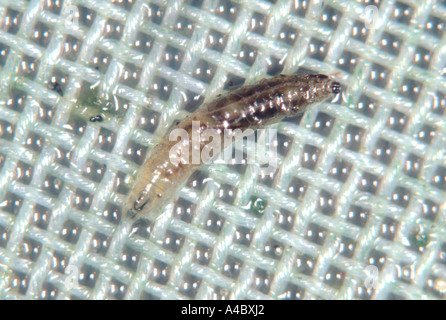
<point>361,181</point>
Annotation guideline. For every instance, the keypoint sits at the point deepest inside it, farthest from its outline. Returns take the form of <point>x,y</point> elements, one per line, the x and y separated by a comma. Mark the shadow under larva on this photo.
<point>250,107</point>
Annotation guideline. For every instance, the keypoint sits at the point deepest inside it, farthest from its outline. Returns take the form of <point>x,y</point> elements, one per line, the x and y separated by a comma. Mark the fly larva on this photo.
<point>250,107</point>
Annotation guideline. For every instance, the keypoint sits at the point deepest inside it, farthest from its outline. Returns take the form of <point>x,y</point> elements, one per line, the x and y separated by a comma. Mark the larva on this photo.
<point>252,106</point>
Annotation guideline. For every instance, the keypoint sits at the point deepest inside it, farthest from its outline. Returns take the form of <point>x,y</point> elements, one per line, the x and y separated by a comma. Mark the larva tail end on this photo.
<point>130,214</point>
<point>127,211</point>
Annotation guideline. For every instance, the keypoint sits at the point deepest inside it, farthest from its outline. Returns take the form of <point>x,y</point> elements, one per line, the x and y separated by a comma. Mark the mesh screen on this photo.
<point>354,210</point>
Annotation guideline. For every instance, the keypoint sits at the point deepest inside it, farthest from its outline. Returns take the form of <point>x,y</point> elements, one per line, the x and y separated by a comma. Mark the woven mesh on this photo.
<point>361,181</point>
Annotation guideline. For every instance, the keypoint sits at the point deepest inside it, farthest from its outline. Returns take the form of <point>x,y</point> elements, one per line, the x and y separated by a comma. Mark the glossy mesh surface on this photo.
<point>361,181</point>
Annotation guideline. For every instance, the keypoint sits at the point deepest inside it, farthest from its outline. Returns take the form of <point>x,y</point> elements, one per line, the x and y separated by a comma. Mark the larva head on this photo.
<point>305,89</point>
<point>325,84</point>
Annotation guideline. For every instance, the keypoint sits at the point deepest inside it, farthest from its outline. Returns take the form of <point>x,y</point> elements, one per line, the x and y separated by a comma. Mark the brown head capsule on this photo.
<point>250,107</point>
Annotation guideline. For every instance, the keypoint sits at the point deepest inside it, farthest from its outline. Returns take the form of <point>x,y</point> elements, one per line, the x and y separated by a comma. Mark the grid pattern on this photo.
<point>360,181</point>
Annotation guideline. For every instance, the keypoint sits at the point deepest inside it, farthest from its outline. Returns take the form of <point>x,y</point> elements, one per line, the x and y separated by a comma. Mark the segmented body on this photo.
<point>253,107</point>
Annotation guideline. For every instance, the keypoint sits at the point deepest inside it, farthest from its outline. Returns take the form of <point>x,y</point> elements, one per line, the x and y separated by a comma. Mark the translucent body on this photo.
<point>253,107</point>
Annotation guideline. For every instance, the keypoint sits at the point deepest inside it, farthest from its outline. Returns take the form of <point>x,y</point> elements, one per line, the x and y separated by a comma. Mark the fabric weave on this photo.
<point>360,182</point>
